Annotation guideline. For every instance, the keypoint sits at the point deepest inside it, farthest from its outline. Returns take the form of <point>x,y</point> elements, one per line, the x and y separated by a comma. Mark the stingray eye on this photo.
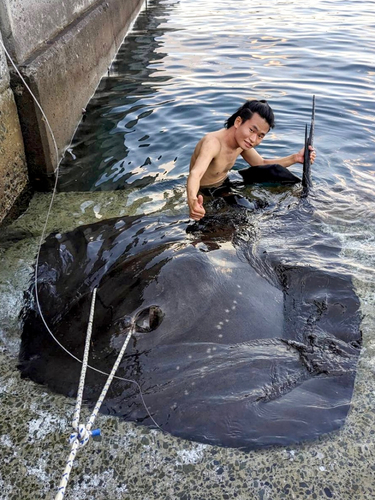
<point>148,319</point>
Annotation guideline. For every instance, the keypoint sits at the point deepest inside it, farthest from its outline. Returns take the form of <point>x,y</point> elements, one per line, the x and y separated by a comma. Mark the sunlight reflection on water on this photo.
<point>181,71</point>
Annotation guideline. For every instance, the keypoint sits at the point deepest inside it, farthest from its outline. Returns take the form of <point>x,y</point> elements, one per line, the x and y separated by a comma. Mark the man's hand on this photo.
<point>196,210</point>
<point>301,154</point>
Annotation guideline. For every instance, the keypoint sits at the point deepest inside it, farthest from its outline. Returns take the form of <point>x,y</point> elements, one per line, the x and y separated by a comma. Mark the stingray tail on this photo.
<point>309,140</point>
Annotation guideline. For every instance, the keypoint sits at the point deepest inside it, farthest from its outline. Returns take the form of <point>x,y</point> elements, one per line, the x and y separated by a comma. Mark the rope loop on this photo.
<point>83,435</point>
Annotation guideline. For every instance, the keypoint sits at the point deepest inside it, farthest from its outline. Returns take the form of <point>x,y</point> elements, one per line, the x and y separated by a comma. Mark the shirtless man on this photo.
<point>216,153</point>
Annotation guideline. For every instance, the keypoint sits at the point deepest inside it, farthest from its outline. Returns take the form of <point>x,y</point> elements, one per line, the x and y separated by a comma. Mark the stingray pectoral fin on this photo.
<point>268,174</point>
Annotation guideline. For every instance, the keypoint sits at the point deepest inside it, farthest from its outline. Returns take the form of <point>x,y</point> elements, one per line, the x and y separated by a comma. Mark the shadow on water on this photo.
<point>98,158</point>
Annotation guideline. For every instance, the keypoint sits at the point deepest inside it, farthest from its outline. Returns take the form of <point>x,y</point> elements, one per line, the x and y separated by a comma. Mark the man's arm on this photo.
<point>254,159</point>
<point>209,148</point>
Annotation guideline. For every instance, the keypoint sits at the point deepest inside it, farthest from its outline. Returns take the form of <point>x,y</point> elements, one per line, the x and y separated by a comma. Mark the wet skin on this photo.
<point>216,153</point>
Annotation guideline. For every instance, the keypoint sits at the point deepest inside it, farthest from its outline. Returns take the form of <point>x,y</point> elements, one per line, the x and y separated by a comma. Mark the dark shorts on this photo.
<point>217,192</point>
<point>229,192</point>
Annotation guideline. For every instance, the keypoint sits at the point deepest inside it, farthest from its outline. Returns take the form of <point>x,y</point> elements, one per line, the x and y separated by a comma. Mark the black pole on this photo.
<point>309,140</point>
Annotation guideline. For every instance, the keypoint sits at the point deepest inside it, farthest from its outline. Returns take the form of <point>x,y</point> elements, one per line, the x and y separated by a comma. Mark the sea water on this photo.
<point>182,70</point>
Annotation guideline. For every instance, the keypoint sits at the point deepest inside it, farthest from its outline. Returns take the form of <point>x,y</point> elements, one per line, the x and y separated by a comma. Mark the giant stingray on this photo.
<point>231,346</point>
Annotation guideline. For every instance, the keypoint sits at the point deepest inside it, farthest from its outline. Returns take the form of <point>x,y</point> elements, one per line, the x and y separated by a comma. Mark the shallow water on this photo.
<point>181,71</point>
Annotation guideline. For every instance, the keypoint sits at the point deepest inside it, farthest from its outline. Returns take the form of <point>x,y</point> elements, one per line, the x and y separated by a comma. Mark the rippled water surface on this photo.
<point>182,70</point>
<point>186,66</point>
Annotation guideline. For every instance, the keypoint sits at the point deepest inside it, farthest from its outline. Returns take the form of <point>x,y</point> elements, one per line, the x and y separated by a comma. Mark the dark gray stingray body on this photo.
<point>230,348</point>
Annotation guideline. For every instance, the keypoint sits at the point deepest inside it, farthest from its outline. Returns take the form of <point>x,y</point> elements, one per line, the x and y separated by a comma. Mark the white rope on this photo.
<point>109,380</point>
<point>37,103</point>
<point>82,433</point>
<point>68,468</point>
<point>56,171</point>
<point>85,360</point>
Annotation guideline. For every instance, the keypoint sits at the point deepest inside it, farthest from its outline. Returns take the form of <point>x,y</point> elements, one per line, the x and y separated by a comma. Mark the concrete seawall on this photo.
<point>13,170</point>
<point>63,48</point>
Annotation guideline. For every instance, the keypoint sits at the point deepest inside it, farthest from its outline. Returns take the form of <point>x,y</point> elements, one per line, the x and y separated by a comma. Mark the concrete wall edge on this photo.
<point>68,70</point>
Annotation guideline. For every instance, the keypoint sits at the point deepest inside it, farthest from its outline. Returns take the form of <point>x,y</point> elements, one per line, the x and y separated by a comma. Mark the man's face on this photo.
<point>251,132</point>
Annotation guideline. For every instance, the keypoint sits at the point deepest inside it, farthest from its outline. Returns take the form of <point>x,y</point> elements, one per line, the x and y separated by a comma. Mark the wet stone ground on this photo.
<point>133,462</point>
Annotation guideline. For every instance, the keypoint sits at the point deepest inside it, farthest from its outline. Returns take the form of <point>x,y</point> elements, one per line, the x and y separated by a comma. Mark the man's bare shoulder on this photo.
<point>211,140</point>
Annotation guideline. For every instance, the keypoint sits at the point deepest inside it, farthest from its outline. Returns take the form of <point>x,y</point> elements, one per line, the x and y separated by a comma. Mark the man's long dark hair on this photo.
<point>246,111</point>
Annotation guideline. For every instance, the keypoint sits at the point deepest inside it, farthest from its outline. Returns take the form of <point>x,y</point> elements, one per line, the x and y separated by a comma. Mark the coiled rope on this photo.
<point>82,433</point>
